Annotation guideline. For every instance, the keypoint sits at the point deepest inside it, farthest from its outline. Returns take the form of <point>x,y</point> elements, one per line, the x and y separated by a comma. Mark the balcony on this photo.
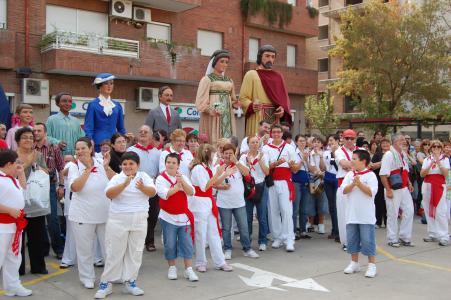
<point>171,5</point>
<point>8,49</point>
<point>327,47</point>
<point>297,80</point>
<point>334,13</point>
<point>157,62</point>
<point>301,23</point>
<point>90,43</point>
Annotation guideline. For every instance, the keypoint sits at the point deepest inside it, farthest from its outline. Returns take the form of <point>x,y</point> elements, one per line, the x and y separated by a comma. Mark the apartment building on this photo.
<point>49,46</point>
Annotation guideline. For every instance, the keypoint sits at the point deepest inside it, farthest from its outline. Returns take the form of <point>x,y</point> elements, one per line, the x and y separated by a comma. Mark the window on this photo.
<point>323,64</point>
<point>159,31</point>
<point>323,32</point>
<point>291,56</point>
<point>292,2</point>
<point>75,20</point>
<point>3,14</point>
<point>322,3</point>
<point>353,2</point>
<point>350,104</point>
<point>208,41</point>
<point>254,44</point>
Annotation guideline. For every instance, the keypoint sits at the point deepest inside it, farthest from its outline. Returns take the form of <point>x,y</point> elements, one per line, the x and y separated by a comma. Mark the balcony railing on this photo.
<point>90,43</point>
<point>2,25</point>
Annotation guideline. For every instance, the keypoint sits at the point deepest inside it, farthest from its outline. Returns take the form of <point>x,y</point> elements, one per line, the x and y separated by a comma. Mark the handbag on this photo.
<point>396,181</point>
<point>316,186</point>
<point>269,181</point>
<point>257,197</point>
<point>37,193</point>
<point>249,186</point>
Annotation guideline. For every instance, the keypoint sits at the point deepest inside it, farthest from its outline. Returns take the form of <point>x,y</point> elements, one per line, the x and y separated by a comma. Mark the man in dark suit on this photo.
<point>164,117</point>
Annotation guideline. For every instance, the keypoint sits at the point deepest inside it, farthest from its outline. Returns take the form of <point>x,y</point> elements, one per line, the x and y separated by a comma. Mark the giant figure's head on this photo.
<point>266,56</point>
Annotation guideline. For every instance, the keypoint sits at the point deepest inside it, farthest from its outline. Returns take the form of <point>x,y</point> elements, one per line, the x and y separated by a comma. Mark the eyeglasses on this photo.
<point>436,146</point>
<point>349,138</point>
<point>427,145</point>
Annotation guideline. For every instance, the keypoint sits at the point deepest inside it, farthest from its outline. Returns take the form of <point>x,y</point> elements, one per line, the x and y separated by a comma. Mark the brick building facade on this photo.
<point>27,41</point>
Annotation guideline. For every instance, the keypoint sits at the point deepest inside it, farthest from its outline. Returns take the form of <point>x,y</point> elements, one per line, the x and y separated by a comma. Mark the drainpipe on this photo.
<point>27,34</point>
<point>242,48</point>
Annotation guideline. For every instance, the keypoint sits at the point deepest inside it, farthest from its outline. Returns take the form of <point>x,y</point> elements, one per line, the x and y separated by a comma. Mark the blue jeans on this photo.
<point>317,205</point>
<point>177,241</point>
<point>330,188</point>
<point>53,223</point>
<point>262,216</point>
<point>241,220</point>
<point>361,238</point>
<point>300,206</point>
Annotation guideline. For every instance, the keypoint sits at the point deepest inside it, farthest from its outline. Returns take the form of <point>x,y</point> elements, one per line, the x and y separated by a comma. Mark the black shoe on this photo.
<point>59,256</point>
<point>305,236</point>
<point>297,236</point>
<point>337,239</point>
<point>43,272</point>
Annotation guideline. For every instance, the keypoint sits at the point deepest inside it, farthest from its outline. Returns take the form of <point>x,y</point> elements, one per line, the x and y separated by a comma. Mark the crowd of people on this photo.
<point>114,186</point>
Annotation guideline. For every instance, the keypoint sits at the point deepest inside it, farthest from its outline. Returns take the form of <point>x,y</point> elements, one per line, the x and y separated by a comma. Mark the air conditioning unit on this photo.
<point>121,8</point>
<point>147,98</point>
<point>35,91</point>
<point>141,14</point>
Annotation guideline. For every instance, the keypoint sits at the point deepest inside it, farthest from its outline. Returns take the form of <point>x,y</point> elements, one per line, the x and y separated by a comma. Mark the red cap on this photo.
<point>349,133</point>
<point>3,145</point>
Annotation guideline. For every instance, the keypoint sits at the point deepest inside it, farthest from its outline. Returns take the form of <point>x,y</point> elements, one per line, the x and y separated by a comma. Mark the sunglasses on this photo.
<point>427,145</point>
<point>436,146</point>
<point>349,138</point>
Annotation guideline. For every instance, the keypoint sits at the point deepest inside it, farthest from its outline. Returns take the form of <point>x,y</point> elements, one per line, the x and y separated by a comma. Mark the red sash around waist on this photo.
<point>436,181</point>
<point>340,181</point>
<point>20,222</point>
<point>214,208</point>
<point>404,176</point>
<point>285,174</point>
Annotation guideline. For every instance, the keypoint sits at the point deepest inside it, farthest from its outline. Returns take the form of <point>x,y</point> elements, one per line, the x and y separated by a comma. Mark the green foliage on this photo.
<point>319,110</point>
<point>312,11</point>
<point>396,59</point>
<point>273,10</point>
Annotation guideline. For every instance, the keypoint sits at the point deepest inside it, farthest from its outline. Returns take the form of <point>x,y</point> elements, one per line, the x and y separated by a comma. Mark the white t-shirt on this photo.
<point>131,199</point>
<point>67,190</point>
<point>288,153</point>
<point>11,196</point>
<point>304,164</point>
<point>148,160</point>
<point>244,148</point>
<point>444,163</point>
<point>185,161</point>
<point>342,153</point>
<point>90,205</point>
<point>391,161</point>
<point>360,208</point>
<point>163,187</point>
<point>315,159</point>
<point>327,155</point>
<point>254,166</point>
<point>200,178</point>
<point>234,196</point>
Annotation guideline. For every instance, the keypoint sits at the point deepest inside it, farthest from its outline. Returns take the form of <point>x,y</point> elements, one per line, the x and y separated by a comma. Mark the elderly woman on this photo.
<point>104,116</point>
<point>89,207</point>
<point>216,99</point>
<point>178,140</point>
<point>36,231</point>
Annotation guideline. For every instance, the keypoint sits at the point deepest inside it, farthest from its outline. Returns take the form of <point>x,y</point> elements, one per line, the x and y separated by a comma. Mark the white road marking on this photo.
<point>264,279</point>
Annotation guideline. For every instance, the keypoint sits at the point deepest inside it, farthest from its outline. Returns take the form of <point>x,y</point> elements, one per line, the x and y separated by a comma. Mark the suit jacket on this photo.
<point>156,120</point>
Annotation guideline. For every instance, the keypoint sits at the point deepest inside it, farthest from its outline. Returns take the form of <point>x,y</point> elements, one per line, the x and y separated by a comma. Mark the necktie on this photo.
<point>168,115</point>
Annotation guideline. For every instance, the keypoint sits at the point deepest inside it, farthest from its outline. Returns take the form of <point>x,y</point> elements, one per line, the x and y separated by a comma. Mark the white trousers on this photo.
<point>280,212</point>
<point>125,235</point>
<point>85,238</point>
<point>341,215</point>
<point>207,231</point>
<point>70,252</point>
<point>438,226</point>
<point>401,199</point>
<point>9,263</point>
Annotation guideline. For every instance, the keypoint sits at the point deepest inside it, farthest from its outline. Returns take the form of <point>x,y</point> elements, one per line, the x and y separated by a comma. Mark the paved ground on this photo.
<point>314,271</point>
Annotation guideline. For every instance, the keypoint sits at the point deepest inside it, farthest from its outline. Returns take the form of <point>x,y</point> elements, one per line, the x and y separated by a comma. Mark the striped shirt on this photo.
<point>53,158</point>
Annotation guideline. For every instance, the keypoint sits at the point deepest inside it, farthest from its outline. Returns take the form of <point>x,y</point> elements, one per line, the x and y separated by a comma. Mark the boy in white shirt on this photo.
<point>12,222</point>
<point>360,186</point>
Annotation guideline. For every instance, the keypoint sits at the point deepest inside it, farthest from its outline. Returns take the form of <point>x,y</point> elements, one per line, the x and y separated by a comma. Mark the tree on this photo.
<point>395,59</point>
<point>319,111</point>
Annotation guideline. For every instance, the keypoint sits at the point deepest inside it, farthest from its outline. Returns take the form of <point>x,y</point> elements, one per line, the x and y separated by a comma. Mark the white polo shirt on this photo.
<point>393,160</point>
<point>340,154</point>
<point>131,199</point>
<point>234,196</point>
<point>254,166</point>
<point>149,160</point>
<point>443,163</point>
<point>185,161</point>
<point>286,152</point>
<point>360,208</point>
<point>11,196</point>
<point>200,178</point>
<point>327,155</point>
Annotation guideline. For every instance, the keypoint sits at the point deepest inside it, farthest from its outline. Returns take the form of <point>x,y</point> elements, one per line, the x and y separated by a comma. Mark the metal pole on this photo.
<point>419,132</point>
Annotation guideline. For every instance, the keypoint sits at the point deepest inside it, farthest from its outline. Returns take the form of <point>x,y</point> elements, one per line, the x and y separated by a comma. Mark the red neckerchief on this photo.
<point>12,178</point>
<point>210,173</point>
<point>279,148</point>
<point>252,163</point>
<point>141,147</point>
<point>160,146</point>
<point>166,176</point>
<point>346,153</point>
<point>434,162</point>
<point>179,154</point>
<point>93,170</point>
<point>229,166</point>
<point>362,172</point>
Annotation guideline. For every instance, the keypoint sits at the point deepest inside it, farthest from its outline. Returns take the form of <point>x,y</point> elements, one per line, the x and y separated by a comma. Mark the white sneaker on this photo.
<point>20,291</point>
<point>228,254</point>
<point>321,229</point>
<point>262,247</point>
<point>289,247</point>
<point>251,253</point>
<point>105,288</point>
<point>172,273</point>
<point>190,275</point>
<point>371,271</point>
<point>353,267</point>
<point>88,285</point>
<point>276,244</point>
<point>131,288</point>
